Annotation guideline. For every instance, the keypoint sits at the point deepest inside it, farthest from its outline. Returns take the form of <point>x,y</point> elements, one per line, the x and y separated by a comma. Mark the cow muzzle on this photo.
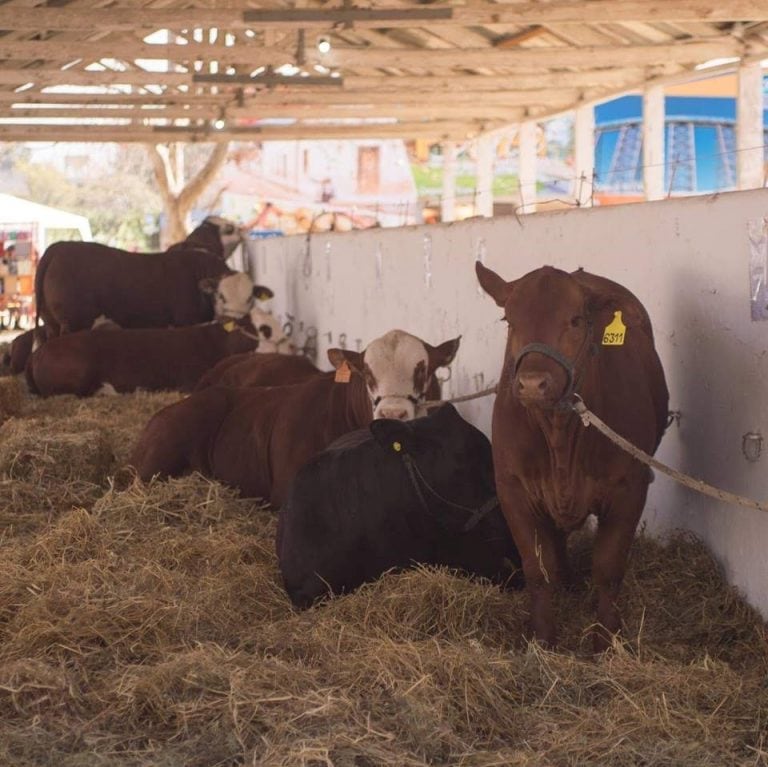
<point>398,408</point>
<point>543,385</point>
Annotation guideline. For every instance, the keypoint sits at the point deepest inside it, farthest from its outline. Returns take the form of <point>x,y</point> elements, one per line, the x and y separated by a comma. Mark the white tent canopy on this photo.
<point>15,211</point>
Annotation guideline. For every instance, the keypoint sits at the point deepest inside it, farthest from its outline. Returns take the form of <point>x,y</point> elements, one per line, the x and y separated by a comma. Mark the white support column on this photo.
<point>527,171</point>
<point>749,127</point>
<point>653,143</point>
<point>486,147</point>
<point>584,154</point>
<point>448,201</point>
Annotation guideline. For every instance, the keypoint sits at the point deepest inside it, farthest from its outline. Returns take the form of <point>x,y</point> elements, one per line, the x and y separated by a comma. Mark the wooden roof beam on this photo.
<point>436,130</point>
<point>47,76</point>
<point>470,13</point>
<point>355,58</point>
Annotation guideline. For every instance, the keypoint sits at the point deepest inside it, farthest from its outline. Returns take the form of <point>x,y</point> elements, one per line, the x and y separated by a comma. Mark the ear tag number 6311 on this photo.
<point>614,333</point>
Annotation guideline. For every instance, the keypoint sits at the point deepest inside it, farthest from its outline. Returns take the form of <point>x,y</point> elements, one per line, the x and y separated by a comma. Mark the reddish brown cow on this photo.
<point>92,361</point>
<point>21,347</point>
<point>257,438</point>
<point>259,369</point>
<point>78,281</point>
<point>551,471</point>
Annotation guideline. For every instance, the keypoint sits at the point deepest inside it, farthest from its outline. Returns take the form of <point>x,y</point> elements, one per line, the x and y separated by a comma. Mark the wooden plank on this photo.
<point>299,111</point>
<point>614,77</point>
<point>291,100</point>
<point>434,130</point>
<point>535,58</point>
<point>135,16</point>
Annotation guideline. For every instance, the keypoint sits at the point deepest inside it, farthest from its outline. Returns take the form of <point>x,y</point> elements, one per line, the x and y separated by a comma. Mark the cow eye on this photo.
<point>577,321</point>
<point>229,229</point>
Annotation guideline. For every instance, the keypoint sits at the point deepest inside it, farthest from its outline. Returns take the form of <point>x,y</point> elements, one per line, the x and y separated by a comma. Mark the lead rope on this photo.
<point>588,418</point>
<point>476,514</point>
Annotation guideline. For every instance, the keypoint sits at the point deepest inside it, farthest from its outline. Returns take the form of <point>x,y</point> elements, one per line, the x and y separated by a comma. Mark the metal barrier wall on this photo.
<point>689,260</point>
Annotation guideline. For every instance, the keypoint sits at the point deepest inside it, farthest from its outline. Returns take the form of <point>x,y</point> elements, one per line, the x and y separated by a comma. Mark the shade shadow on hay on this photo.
<point>149,626</point>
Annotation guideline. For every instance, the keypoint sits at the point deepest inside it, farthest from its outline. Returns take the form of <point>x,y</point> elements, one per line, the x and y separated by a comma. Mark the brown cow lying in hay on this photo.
<point>154,359</point>
<point>566,337</point>
<point>256,439</point>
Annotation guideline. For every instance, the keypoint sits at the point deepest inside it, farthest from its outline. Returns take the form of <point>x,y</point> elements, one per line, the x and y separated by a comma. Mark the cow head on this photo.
<point>233,294</point>
<point>230,235</point>
<point>272,339</point>
<point>550,318</point>
<point>397,369</point>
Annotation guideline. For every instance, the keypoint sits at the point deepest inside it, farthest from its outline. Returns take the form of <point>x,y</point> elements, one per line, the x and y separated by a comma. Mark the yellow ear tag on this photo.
<point>614,334</point>
<point>397,447</point>
<point>229,326</point>
<point>343,373</point>
<point>263,296</point>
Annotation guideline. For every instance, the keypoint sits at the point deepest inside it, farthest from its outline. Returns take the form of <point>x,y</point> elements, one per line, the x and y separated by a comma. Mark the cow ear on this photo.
<point>394,436</point>
<point>209,285</point>
<point>492,284</point>
<point>337,358</point>
<point>440,356</point>
<point>262,293</point>
<point>602,306</point>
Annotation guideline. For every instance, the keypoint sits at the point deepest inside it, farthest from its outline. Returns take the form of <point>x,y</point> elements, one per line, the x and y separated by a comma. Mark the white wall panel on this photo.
<point>686,259</point>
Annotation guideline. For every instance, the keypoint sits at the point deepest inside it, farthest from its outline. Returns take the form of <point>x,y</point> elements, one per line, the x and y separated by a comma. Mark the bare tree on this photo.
<point>168,161</point>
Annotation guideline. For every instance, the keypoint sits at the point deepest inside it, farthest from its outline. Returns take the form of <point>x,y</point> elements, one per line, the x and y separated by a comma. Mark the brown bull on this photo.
<point>573,334</point>
<point>256,439</point>
<point>76,282</point>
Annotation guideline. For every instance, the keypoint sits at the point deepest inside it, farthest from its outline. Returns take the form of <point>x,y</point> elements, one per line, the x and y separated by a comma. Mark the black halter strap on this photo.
<point>417,480</point>
<point>567,364</point>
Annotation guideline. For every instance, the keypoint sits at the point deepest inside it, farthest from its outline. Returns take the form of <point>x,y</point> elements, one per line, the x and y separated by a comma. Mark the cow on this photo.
<point>573,334</point>
<point>268,369</point>
<point>97,361</point>
<point>273,339</point>
<point>395,494</point>
<point>15,358</point>
<point>24,344</point>
<point>255,439</point>
<point>76,282</point>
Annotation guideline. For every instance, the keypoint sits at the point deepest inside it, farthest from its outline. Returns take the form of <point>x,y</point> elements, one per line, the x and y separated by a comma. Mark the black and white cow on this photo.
<point>390,496</point>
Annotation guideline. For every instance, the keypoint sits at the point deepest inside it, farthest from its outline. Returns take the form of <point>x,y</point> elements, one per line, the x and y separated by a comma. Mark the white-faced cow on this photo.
<point>392,496</point>
<point>573,334</point>
<point>76,282</point>
<point>256,439</point>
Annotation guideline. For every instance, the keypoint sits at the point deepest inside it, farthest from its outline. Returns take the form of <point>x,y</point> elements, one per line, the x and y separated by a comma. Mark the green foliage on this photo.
<point>115,199</point>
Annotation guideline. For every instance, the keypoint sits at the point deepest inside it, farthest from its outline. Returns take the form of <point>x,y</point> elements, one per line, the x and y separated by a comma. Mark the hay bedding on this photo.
<point>146,626</point>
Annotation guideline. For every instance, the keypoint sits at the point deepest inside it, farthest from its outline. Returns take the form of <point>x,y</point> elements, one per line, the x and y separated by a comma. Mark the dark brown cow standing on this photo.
<point>143,358</point>
<point>256,439</point>
<point>551,471</point>
<point>76,282</point>
<point>259,370</point>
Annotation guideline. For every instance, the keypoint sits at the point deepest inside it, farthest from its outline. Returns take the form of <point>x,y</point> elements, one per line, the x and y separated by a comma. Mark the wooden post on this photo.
<point>527,171</point>
<point>486,146</point>
<point>584,151</point>
<point>749,127</point>
<point>448,201</point>
<point>653,143</point>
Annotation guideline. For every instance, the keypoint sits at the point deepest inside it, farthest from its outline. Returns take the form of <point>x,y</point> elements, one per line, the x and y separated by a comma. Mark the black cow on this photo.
<point>397,494</point>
